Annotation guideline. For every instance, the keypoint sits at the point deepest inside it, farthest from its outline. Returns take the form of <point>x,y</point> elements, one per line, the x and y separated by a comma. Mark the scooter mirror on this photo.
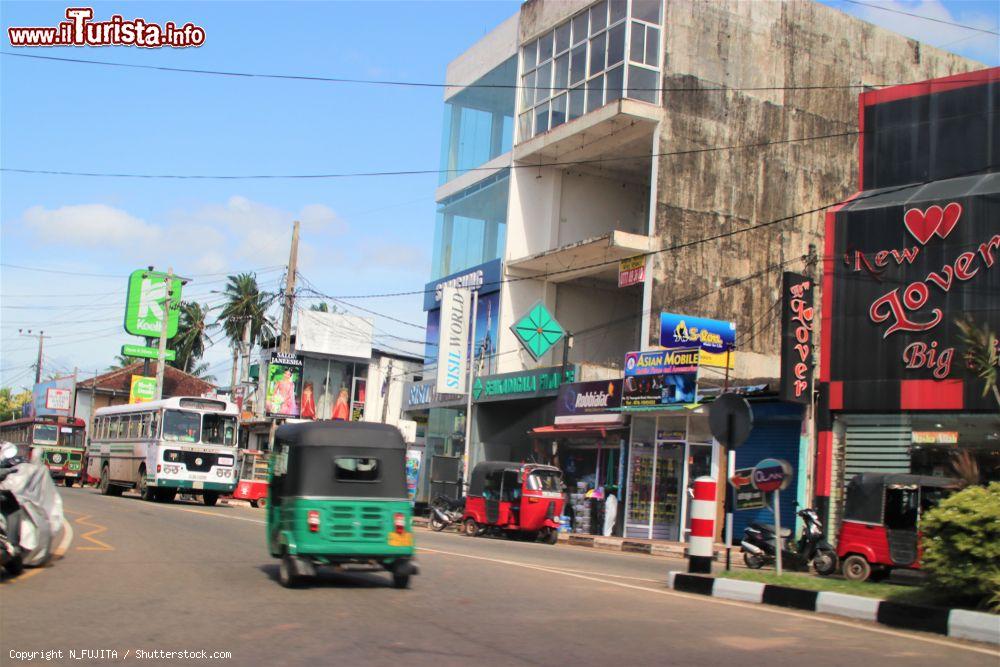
<point>8,451</point>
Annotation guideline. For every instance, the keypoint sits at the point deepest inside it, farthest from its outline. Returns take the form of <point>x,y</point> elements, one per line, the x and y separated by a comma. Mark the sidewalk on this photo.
<point>661,548</point>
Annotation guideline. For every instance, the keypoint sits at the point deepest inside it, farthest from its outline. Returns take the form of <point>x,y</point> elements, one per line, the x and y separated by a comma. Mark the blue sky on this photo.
<point>361,235</point>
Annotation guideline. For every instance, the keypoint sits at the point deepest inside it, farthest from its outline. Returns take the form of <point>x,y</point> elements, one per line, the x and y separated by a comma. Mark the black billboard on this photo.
<point>798,330</point>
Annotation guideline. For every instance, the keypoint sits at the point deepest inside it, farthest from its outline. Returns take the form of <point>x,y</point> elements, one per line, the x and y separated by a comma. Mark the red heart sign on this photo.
<point>934,220</point>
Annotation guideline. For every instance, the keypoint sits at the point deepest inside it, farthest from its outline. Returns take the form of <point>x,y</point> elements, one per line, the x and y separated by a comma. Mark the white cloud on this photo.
<point>92,225</point>
<point>399,256</point>
<point>972,44</point>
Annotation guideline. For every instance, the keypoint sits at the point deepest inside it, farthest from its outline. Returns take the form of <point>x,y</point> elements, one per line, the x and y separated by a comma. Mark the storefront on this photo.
<point>441,419</point>
<point>907,262</point>
<point>588,442</point>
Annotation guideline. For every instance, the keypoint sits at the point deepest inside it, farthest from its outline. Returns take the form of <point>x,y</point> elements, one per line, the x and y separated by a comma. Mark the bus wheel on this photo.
<point>146,492</point>
<point>105,483</point>
<point>210,498</point>
<point>165,495</point>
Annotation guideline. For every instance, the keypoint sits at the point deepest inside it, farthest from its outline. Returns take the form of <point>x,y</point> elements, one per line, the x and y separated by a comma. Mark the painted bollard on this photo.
<point>702,526</point>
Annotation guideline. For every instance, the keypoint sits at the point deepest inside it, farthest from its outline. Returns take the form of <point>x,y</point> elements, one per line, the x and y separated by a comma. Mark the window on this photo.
<point>46,435</point>
<point>642,83</point>
<point>144,425</point>
<point>646,10</point>
<point>471,225</point>
<point>154,426</point>
<point>544,480</point>
<point>134,421</point>
<point>218,430</point>
<point>356,469</point>
<point>118,427</point>
<point>181,426</point>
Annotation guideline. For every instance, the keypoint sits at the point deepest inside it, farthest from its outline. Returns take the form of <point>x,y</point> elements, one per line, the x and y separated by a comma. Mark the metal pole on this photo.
<point>730,471</point>
<point>777,530</point>
<point>468,389</point>
<point>161,355</point>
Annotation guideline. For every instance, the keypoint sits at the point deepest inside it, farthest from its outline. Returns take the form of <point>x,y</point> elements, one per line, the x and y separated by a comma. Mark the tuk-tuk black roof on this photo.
<point>341,434</point>
<point>866,492</point>
<point>477,479</point>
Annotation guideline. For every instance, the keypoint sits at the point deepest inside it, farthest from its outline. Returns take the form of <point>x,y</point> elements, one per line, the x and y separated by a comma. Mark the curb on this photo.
<point>957,623</point>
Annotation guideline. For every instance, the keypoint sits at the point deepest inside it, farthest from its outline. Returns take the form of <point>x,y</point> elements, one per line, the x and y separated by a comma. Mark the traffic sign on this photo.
<point>772,475</point>
<point>143,352</point>
<point>145,304</point>
<point>730,420</point>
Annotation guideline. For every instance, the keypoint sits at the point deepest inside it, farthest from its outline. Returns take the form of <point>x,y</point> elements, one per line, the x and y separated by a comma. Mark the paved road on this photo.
<point>185,577</point>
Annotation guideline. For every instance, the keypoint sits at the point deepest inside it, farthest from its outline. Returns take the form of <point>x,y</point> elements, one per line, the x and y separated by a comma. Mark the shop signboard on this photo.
<point>659,378</point>
<point>934,437</point>
<point>484,279</point>
<point>589,402</point>
<point>716,338</point>
<point>797,337</point>
<point>771,475</point>
<point>145,304</point>
<point>538,331</point>
<point>54,397</point>
<point>631,271</point>
<point>746,496</point>
<point>141,389</point>
<point>284,382</point>
<point>533,383</point>
<point>424,395</point>
<point>453,340</point>
<point>414,459</point>
<point>143,352</point>
<point>334,334</point>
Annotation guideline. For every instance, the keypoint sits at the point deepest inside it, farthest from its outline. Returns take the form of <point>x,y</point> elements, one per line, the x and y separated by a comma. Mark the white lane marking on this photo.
<point>755,607</point>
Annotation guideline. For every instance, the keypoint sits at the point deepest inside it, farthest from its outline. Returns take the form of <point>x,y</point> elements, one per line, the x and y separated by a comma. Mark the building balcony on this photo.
<point>595,259</point>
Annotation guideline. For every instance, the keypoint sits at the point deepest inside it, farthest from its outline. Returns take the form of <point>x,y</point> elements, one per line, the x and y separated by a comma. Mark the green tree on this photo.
<point>324,307</point>
<point>189,343</point>
<point>245,302</point>
<point>981,354</point>
<point>11,403</point>
<point>121,361</point>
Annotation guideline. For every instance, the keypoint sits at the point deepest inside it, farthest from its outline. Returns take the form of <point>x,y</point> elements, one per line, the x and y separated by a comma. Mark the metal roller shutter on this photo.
<point>775,440</point>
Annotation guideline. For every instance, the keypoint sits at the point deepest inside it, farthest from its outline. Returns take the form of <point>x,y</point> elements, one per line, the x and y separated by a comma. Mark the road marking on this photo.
<point>220,516</point>
<point>729,603</point>
<point>97,529</point>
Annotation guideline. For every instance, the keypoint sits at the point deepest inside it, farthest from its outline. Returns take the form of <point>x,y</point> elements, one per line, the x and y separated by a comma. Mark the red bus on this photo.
<point>58,442</point>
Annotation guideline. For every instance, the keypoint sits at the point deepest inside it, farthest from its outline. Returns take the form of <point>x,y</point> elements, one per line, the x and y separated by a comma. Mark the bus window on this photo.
<point>218,430</point>
<point>144,425</point>
<point>154,425</point>
<point>118,427</point>
<point>47,435</point>
<point>134,422</point>
<point>181,426</point>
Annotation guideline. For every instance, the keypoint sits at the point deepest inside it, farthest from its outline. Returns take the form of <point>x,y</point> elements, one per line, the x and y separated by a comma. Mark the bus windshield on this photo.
<point>47,435</point>
<point>544,480</point>
<point>181,426</point>
<point>219,430</point>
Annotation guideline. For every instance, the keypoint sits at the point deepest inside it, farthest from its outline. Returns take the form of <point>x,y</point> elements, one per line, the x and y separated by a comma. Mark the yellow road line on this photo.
<point>730,603</point>
<point>97,529</point>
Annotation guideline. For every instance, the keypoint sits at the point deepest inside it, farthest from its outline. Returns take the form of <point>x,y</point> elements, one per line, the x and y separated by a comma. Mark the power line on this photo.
<point>920,16</point>
<point>265,269</point>
<point>436,85</point>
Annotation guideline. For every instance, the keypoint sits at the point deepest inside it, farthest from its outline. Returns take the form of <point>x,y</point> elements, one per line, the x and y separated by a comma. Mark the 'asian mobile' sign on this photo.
<point>716,338</point>
<point>771,475</point>
<point>660,377</point>
<point>797,330</point>
<point>145,304</point>
<point>453,340</point>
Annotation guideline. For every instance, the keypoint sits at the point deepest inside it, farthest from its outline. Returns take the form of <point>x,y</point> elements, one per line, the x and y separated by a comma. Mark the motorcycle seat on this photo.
<point>785,532</point>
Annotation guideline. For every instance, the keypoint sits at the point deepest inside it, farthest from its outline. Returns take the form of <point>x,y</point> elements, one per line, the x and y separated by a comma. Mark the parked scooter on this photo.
<point>759,550</point>
<point>446,511</point>
<point>31,513</point>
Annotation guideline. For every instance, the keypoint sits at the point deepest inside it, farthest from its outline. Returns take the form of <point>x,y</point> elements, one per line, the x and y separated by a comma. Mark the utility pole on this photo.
<point>161,355</point>
<point>286,318</point>
<point>245,352</point>
<point>387,392</point>
<point>41,342</point>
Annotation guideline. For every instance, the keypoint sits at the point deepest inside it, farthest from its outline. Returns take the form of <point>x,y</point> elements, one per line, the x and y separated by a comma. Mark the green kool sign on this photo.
<point>143,352</point>
<point>145,304</point>
<point>527,384</point>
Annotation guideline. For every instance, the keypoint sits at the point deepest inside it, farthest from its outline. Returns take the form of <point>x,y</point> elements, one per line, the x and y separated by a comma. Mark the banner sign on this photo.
<point>284,382</point>
<point>145,304</point>
<point>714,337</point>
<point>485,279</point>
<point>797,342</point>
<point>423,395</point>
<point>141,389</point>
<point>747,497</point>
<point>524,384</point>
<point>335,334</point>
<point>143,352</point>
<point>414,458</point>
<point>588,402</point>
<point>54,397</point>
<point>453,340</point>
<point>660,378</point>
<point>631,271</point>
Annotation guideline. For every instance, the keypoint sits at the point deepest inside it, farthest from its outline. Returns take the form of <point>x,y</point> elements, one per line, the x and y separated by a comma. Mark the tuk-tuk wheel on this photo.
<point>400,580</point>
<point>260,502</point>
<point>287,576</point>
<point>550,536</point>
<point>471,527</point>
<point>856,568</point>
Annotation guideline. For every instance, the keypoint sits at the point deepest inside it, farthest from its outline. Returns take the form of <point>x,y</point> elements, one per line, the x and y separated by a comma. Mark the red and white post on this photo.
<point>702,526</point>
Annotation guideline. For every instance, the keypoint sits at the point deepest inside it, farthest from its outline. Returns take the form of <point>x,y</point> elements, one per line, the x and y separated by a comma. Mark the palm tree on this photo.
<point>324,307</point>
<point>121,361</point>
<point>190,339</point>
<point>200,371</point>
<point>981,354</point>
<point>245,302</point>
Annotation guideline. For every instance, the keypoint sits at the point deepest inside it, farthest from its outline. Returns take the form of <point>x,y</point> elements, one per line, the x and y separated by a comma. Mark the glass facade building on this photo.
<point>471,226</point>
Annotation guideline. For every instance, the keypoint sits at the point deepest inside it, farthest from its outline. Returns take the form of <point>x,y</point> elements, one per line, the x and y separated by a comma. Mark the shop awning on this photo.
<point>595,429</point>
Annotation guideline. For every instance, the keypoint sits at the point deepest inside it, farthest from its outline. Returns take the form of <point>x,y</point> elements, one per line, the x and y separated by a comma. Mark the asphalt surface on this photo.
<point>146,576</point>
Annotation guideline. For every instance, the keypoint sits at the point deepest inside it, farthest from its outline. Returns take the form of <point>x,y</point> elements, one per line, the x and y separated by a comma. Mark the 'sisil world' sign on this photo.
<point>905,270</point>
<point>797,328</point>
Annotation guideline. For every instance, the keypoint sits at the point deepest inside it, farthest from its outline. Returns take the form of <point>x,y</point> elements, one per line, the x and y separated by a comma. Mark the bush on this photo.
<point>961,543</point>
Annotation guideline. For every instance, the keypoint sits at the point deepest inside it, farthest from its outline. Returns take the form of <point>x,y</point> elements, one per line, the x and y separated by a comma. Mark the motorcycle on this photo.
<point>446,511</point>
<point>758,546</point>
<point>31,513</point>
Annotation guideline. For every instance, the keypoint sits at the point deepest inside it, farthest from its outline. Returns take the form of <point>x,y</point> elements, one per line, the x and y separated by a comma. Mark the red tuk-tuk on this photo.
<point>881,525</point>
<point>518,499</point>
<point>252,484</point>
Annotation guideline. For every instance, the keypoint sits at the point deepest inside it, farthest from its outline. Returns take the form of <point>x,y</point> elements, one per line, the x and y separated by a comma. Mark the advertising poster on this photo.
<point>587,402</point>
<point>453,337</point>
<point>487,332</point>
<point>54,397</point>
<point>660,377</point>
<point>714,337</point>
<point>284,382</point>
<point>141,389</point>
<point>414,457</point>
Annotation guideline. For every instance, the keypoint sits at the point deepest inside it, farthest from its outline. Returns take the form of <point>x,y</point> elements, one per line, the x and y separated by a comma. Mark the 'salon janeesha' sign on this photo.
<point>453,340</point>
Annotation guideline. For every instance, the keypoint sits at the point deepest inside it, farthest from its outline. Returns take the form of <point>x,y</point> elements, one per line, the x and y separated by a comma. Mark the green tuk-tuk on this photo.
<point>337,495</point>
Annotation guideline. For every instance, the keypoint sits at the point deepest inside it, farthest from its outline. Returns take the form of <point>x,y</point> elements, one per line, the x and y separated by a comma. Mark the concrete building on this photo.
<point>578,134</point>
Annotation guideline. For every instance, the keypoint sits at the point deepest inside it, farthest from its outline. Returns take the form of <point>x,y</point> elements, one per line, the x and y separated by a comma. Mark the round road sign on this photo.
<point>730,419</point>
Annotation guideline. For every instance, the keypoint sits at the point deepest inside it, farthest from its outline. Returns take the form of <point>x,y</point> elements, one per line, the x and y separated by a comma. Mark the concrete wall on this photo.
<point>580,307</point>
<point>591,206</point>
<point>742,45</point>
<point>400,372</point>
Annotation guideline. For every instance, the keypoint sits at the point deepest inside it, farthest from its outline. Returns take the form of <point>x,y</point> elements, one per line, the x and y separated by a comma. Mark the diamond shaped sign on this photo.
<point>538,331</point>
<point>477,388</point>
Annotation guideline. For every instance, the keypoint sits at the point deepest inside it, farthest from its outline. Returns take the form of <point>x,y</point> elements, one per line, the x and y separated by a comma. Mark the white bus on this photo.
<point>185,444</point>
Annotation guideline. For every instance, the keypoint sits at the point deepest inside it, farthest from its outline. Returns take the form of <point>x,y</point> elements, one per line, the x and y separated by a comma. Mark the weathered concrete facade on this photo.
<point>789,70</point>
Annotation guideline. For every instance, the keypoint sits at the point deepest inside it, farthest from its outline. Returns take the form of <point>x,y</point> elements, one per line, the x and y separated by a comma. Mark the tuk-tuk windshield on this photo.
<point>544,480</point>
